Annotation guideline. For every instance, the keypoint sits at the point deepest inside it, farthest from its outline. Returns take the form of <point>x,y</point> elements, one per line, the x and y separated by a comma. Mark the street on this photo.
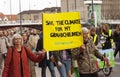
<point>38,72</point>
<point>115,71</point>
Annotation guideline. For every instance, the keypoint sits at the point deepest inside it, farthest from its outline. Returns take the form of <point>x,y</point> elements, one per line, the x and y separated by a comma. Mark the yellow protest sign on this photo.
<point>62,31</point>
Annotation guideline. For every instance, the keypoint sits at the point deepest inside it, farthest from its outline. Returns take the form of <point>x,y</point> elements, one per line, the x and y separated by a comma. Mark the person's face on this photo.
<point>1,33</point>
<point>34,31</point>
<point>17,41</point>
<point>5,33</point>
<point>24,37</point>
<point>85,35</point>
<point>11,33</point>
<point>93,32</point>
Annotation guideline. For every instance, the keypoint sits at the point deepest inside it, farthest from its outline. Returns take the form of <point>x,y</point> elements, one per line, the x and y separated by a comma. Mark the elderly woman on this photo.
<point>85,56</point>
<point>16,62</point>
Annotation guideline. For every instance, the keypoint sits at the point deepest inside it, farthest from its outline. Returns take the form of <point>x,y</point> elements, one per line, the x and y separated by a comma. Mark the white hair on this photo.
<point>84,29</point>
<point>16,36</point>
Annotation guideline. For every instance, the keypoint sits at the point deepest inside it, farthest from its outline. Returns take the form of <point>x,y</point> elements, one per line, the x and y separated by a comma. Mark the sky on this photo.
<point>14,5</point>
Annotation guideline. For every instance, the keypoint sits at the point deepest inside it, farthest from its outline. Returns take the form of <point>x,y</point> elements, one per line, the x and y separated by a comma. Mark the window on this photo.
<point>36,17</point>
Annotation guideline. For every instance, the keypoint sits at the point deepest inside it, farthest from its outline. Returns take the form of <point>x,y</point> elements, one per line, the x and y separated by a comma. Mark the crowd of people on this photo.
<point>20,52</point>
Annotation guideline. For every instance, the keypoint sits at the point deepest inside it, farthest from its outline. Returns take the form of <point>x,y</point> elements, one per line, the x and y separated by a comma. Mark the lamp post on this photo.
<point>20,16</point>
<point>56,6</point>
<point>75,5</point>
<point>92,14</point>
<point>67,6</point>
<point>92,7</point>
<point>10,12</point>
<point>29,12</point>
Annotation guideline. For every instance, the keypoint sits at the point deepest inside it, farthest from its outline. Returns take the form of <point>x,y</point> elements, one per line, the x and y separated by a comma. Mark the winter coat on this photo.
<point>32,42</point>
<point>12,62</point>
<point>59,55</point>
<point>85,58</point>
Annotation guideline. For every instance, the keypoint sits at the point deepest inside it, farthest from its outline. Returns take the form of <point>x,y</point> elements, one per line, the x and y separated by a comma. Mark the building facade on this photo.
<point>75,5</point>
<point>111,10</point>
<point>35,16</point>
<point>30,15</point>
<point>108,10</point>
<point>7,18</point>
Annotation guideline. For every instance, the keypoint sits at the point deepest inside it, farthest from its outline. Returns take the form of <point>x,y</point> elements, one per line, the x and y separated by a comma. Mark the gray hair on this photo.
<point>16,36</point>
<point>84,29</point>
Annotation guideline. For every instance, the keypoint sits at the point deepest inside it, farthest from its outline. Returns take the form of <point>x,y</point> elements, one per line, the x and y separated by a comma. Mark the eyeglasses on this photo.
<point>17,38</point>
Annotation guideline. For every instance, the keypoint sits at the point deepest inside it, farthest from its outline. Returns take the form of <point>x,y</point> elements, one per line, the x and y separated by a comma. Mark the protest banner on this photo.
<point>62,31</point>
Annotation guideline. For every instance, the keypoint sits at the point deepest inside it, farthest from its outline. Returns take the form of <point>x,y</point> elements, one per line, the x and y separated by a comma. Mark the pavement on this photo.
<point>38,72</point>
<point>115,71</point>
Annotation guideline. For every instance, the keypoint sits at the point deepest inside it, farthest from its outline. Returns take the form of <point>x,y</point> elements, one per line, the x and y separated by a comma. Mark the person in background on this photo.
<point>25,38</point>
<point>11,33</point>
<point>27,32</point>
<point>16,62</point>
<point>47,60</point>
<point>94,35</point>
<point>108,34</point>
<point>33,39</point>
<point>5,33</point>
<point>116,36</point>
<point>85,56</point>
<point>32,43</point>
<point>3,49</point>
<point>63,61</point>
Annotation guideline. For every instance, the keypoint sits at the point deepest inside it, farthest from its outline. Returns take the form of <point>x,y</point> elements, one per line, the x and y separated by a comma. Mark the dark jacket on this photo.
<point>58,55</point>
<point>39,48</point>
<point>116,37</point>
<point>39,44</point>
<point>109,40</point>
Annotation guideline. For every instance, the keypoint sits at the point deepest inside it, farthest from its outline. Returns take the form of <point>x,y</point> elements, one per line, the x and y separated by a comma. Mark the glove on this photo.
<point>107,61</point>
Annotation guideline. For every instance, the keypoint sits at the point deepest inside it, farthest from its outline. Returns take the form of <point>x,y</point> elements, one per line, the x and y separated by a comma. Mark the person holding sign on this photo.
<point>117,40</point>
<point>16,62</point>
<point>85,56</point>
<point>46,62</point>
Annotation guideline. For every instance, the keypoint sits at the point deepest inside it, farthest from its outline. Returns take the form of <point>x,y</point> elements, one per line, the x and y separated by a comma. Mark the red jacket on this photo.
<point>12,62</point>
